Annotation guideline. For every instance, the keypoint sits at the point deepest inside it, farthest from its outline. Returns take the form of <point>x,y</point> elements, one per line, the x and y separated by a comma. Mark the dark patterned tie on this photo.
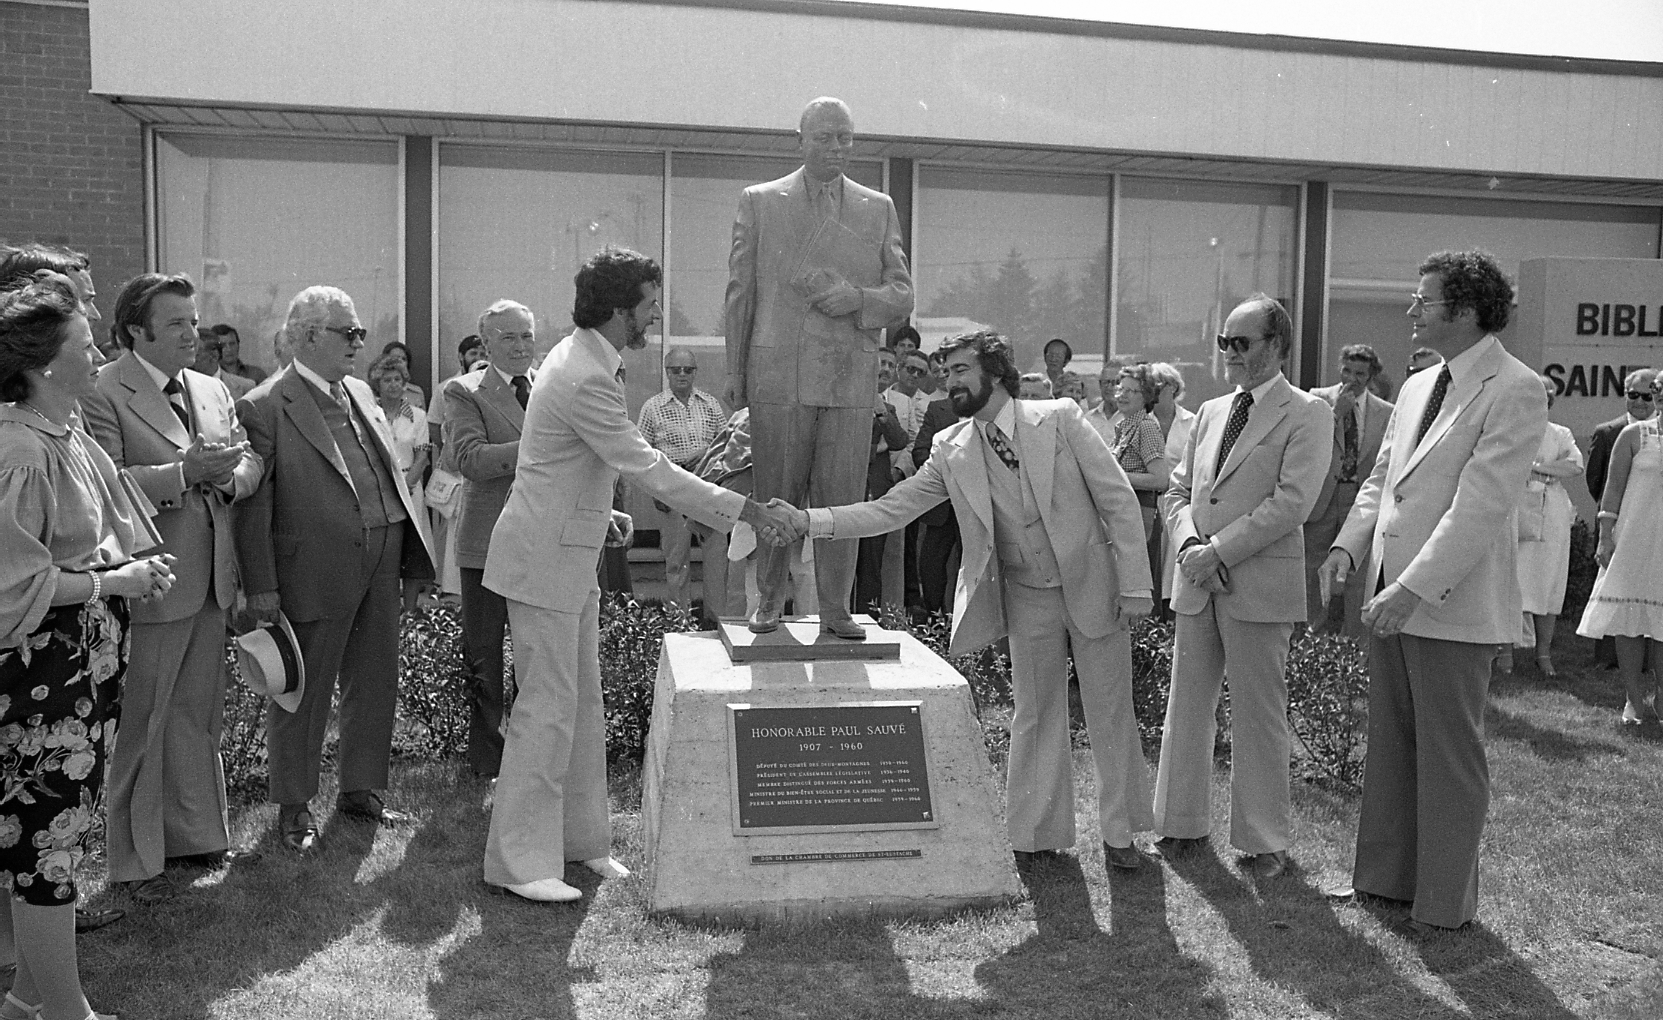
<point>1349,454</point>
<point>1232,428</point>
<point>522,390</point>
<point>1433,405</point>
<point>620,375</point>
<point>176,401</point>
<point>996,439</point>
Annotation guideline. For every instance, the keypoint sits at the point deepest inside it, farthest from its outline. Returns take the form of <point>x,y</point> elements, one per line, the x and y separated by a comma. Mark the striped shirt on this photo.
<point>683,431</point>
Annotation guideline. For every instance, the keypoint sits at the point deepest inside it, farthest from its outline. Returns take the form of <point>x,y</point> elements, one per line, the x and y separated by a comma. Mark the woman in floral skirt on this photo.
<point>70,524</point>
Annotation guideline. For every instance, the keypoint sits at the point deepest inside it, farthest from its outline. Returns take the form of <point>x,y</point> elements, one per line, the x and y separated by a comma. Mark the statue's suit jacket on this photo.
<point>1368,442</point>
<point>132,420</point>
<point>1088,508</point>
<point>482,432</point>
<point>1440,515</point>
<point>782,350</point>
<point>301,533</point>
<point>1253,507</point>
<point>578,438</point>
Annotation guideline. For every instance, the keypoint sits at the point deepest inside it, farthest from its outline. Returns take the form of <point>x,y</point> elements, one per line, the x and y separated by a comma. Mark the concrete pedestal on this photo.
<point>699,869</point>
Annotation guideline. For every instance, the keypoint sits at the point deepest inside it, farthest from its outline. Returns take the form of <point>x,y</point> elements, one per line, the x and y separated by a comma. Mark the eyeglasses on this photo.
<point>681,369</point>
<point>353,334</point>
<point>1239,344</point>
<point>1418,300</point>
<point>1639,395</point>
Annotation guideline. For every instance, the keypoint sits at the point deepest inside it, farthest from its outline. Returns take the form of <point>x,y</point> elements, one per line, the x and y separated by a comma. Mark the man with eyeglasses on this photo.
<point>1250,475</point>
<point>682,421</point>
<point>324,541</point>
<point>484,415</point>
<point>1637,389</point>
<point>1433,531</point>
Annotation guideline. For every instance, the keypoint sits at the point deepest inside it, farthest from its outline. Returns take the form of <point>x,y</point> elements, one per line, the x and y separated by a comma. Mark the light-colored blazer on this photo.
<point>1254,507</point>
<point>781,351</point>
<point>1440,515</point>
<point>1088,508</point>
<point>1368,443</point>
<point>132,420</point>
<point>578,439</point>
<point>482,432</point>
<point>301,533</point>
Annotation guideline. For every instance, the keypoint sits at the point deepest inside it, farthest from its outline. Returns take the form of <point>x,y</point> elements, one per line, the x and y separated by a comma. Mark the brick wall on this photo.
<point>71,168</point>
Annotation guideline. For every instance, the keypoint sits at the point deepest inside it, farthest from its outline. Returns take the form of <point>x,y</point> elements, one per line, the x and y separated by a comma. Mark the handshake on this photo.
<point>778,523</point>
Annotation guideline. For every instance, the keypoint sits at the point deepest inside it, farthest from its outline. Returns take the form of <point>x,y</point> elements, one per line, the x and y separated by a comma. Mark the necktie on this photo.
<point>620,375</point>
<point>1433,405</point>
<point>522,390</point>
<point>996,439</point>
<point>176,401</point>
<point>825,203</point>
<point>1232,428</point>
<point>1348,458</point>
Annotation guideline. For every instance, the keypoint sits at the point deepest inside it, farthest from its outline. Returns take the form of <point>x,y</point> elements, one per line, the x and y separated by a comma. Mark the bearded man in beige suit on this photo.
<point>550,803</point>
<point>1434,532</point>
<point>1249,478</point>
<point>176,432</point>
<point>816,271</point>
<point>1054,557</point>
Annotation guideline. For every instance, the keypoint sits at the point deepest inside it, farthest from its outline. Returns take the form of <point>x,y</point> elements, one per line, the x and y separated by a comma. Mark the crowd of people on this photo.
<point>157,491</point>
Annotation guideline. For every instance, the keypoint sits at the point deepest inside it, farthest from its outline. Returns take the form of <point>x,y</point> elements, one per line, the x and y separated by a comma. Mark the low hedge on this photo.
<point>1327,685</point>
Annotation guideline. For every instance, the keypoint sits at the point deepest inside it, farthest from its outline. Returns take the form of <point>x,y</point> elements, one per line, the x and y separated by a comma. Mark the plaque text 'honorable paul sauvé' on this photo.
<point>845,765</point>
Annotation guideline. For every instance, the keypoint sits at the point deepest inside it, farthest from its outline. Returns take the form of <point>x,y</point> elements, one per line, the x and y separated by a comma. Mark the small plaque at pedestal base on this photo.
<point>800,639</point>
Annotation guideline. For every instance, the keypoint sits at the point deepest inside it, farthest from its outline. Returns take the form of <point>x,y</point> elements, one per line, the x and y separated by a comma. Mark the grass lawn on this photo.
<point>396,923</point>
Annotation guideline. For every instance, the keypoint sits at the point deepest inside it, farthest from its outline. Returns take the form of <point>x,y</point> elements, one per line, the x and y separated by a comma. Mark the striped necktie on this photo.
<point>176,401</point>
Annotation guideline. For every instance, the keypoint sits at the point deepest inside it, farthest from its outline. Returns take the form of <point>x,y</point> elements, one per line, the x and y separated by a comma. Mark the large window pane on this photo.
<point>1379,240</point>
<point>704,196</point>
<point>517,222</point>
<point>1026,254</point>
<point>255,220</point>
<point>1189,252</point>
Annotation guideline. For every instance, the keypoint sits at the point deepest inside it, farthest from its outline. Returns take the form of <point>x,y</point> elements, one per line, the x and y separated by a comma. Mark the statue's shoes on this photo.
<point>844,628</point>
<point>765,620</point>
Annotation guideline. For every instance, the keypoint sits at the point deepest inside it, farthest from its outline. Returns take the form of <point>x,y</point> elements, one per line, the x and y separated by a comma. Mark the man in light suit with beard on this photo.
<point>1249,478</point>
<point>550,803</point>
<point>815,272</point>
<point>1434,532</point>
<point>1053,558</point>
<point>176,432</point>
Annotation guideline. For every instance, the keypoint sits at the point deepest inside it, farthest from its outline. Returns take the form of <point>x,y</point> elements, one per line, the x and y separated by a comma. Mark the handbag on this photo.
<point>444,492</point>
<point>1533,512</point>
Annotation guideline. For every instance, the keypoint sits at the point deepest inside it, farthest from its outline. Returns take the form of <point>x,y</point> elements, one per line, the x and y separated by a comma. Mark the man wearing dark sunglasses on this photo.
<point>682,421</point>
<point>1255,462</point>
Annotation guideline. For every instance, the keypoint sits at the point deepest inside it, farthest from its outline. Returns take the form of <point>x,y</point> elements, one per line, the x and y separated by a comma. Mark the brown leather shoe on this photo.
<point>1179,846</point>
<point>366,805</point>
<point>1126,858</point>
<point>844,628</point>
<point>300,833</point>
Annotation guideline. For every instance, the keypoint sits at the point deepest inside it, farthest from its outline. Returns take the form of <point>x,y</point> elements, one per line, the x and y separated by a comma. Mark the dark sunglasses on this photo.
<point>681,370</point>
<point>1239,344</point>
<point>1639,395</point>
<point>354,334</point>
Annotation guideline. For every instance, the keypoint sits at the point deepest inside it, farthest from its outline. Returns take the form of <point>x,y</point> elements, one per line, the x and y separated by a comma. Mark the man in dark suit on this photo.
<point>1359,423</point>
<point>322,540</point>
<point>175,430</point>
<point>484,413</point>
<point>940,535</point>
<point>816,271</point>
<point>1637,391</point>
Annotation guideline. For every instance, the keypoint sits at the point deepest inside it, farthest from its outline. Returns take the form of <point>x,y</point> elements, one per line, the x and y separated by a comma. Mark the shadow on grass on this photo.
<point>1294,940</point>
<point>1551,744</point>
<point>1070,967</point>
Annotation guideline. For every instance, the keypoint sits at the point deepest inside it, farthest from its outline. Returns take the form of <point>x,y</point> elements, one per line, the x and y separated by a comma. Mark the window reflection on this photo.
<point>254,220</point>
<point>1189,252</point>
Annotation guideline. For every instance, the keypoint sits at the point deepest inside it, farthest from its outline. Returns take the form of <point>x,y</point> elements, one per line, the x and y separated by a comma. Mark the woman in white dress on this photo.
<point>1545,517</point>
<point>408,423</point>
<point>1627,601</point>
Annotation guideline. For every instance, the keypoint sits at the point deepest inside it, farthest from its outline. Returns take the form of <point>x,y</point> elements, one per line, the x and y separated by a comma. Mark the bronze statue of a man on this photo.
<point>815,274</point>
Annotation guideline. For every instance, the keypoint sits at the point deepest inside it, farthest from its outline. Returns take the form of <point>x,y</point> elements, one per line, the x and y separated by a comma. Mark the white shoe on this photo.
<point>607,867</point>
<point>546,890</point>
